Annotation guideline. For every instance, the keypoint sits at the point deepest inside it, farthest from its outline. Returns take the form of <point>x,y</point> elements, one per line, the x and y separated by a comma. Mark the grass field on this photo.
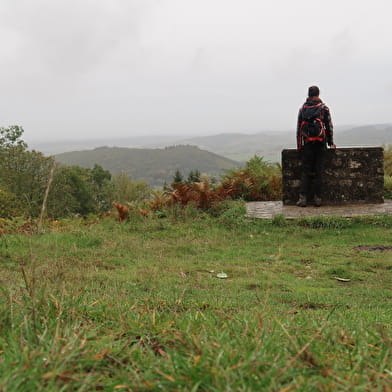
<point>97,305</point>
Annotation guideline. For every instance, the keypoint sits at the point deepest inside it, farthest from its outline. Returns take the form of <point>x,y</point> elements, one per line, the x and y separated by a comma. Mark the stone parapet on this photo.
<point>351,175</point>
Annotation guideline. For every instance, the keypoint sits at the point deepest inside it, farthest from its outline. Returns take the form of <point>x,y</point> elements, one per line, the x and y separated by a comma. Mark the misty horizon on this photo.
<point>187,135</point>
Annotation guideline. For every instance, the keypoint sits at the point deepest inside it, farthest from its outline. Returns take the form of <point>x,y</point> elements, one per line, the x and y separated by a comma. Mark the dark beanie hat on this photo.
<point>313,91</point>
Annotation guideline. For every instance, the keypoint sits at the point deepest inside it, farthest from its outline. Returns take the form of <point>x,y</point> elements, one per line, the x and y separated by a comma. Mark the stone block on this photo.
<point>351,175</point>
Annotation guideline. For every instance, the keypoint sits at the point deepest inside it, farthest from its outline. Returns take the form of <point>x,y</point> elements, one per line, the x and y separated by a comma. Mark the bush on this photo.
<point>388,160</point>
<point>231,214</point>
<point>388,186</point>
<point>201,194</point>
<point>388,172</point>
<point>10,206</point>
<point>227,207</point>
<point>124,189</point>
<point>279,221</point>
<point>259,180</point>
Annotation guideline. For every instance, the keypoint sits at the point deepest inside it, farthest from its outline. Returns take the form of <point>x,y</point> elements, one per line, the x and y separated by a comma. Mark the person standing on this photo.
<point>314,133</point>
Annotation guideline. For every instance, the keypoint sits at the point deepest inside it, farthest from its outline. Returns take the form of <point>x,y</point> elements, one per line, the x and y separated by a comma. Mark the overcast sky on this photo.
<point>115,68</point>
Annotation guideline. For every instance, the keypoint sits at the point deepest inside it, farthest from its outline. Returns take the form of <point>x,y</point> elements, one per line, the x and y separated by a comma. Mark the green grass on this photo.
<point>98,305</point>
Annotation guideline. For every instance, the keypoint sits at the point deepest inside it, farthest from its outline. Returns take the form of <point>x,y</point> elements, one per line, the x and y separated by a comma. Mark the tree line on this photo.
<point>74,190</point>
<point>24,177</point>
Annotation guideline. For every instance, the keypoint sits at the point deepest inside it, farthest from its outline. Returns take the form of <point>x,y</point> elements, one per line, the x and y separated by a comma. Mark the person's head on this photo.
<point>313,91</point>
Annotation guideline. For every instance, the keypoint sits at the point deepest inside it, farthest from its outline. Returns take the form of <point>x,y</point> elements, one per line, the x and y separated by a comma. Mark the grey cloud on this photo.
<point>342,44</point>
<point>71,37</point>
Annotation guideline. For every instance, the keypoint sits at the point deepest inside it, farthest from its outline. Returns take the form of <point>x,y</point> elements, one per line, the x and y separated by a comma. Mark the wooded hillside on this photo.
<point>155,166</point>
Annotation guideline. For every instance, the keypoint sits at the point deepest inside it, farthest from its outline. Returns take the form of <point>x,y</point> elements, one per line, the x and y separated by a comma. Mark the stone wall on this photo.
<point>352,175</point>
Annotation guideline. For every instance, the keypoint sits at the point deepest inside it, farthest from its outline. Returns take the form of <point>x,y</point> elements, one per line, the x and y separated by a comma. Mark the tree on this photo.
<point>178,178</point>
<point>9,205</point>
<point>30,179</point>
<point>23,173</point>
<point>101,185</point>
<point>24,177</point>
<point>11,137</point>
<point>72,193</point>
<point>194,176</point>
<point>124,189</point>
<point>11,148</point>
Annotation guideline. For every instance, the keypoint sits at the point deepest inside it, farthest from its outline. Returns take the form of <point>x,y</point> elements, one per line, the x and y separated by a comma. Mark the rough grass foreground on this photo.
<point>137,306</point>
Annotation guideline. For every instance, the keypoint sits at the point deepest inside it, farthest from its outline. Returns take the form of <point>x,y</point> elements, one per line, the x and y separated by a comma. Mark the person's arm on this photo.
<point>328,127</point>
<point>299,136</point>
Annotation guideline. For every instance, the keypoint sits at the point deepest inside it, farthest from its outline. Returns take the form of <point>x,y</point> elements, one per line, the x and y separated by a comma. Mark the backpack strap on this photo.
<point>313,106</point>
<point>314,139</point>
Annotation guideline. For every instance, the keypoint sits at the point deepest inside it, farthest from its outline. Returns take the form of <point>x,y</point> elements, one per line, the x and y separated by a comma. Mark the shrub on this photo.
<point>202,194</point>
<point>259,180</point>
<point>388,186</point>
<point>388,160</point>
<point>279,221</point>
<point>125,189</point>
<point>232,214</point>
<point>10,206</point>
<point>159,201</point>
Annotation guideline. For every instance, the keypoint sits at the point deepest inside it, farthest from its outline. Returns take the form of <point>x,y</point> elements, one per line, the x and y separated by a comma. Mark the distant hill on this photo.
<point>370,135</point>
<point>235,146</point>
<point>241,147</point>
<point>155,166</point>
<point>54,147</point>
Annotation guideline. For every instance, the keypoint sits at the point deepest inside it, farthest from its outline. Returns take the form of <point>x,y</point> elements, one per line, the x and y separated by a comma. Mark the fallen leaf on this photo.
<point>236,366</point>
<point>196,360</point>
<point>100,355</point>
<point>341,279</point>
<point>65,376</point>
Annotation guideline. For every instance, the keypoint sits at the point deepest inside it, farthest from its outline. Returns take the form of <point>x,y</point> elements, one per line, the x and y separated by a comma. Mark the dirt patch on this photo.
<point>315,306</point>
<point>381,248</point>
<point>253,286</point>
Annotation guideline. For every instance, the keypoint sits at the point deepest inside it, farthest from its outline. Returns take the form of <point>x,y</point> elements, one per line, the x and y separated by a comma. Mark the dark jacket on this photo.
<point>325,118</point>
